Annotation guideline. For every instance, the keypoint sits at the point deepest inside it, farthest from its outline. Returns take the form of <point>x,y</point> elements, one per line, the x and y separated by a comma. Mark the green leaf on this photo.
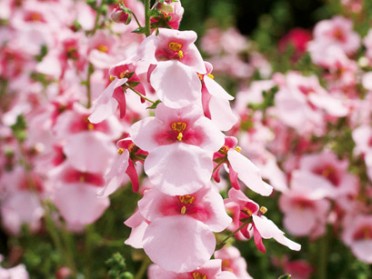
<point>19,128</point>
<point>154,105</point>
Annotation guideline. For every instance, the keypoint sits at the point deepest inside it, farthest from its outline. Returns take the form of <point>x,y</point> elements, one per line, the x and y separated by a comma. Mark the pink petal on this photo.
<point>89,151</point>
<point>79,205</point>
<point>248,173</point>
<point>106,105</point>
<point>215,89</point>
<point>268,229</point>
<point>363,250</point>
<point>176,84</point>
<point>143,133</point>
<point>221,113</point>
<point>179,169</point>
<point>178,243</point>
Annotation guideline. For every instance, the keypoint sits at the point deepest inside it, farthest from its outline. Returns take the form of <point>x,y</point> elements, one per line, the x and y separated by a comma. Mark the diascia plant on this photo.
<point>183,151</point>
<point>96,95</point>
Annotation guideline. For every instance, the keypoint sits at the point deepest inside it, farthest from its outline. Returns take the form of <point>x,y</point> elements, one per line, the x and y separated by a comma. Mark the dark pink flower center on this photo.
<point>364,233</point>
<point>339,34</point>
<point>73,176</point>
<point>330,173</point>
<point>303,203</point>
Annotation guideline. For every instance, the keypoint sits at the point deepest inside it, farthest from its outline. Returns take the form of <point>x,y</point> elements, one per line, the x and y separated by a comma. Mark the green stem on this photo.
<point>141,95</point>
<point>231,234</point>
<point>136,19</point>
<point>147,18</point>
<point>141,272</point>
<point>322,257</point>
<point>62,248</point>
<point>88,84</point>
<point>89,240</point>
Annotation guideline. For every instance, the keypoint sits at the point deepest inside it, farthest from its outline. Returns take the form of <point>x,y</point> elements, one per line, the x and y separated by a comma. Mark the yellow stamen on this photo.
<point>238,148</point>
<point>247,211</point>
<point>179,136</point>
<point>211,76</point>
<point>123,74</point>
<point>183,210</point>
<point>180,54</point>
<point>263,209</point>
<point>102,48</point>
<point>186,199</point>
<point>90,126</point>
<point>179,127</point>
<point>120,151</point>
<point>224,149</point>
<point>112,78</point>
<point>175,46</point>
<point>82,178</point>
<point>198,275</point>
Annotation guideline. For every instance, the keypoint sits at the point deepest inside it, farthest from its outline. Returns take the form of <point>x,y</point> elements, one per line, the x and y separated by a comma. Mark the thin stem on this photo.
<point>141,95</point>
<point>88,84</point>
<point>136,19</point>
<point>147,18</point>
<point>231,234</point>
<point>141,272</point>
<point>323,257</point>
<point>57,240</point>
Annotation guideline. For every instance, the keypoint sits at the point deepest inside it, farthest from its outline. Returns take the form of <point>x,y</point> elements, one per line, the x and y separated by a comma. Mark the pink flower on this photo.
<point>247,212</point>
<point>171,13</point>
<point>358,236</point>
<point>326,173</point>
<point>305,211</point>
<point>215,101</point>
<point>239,167</point>
<point>298,269</point>
<point>301,100</point>
<point>205,205</point>
<point>337,31</point>
<point>298,39</point>
<point>16,272</point>
<point>75,196</point>
<point>233,262</point>
<point>212,269</point>
<point>178,243</point>
<point>174,63</point>
<point>123,167</point>
<point>180,143</point>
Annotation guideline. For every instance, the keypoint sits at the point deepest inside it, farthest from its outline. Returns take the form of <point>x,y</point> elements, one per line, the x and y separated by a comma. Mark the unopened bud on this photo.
<point>119,15</point>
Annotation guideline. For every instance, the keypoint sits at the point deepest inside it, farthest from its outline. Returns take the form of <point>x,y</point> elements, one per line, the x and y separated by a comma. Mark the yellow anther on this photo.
<point>178,126</point>
<point>112,78</point>
<point>198,275</point>
<point>263,209</point>
<point>186,199</point>
<point>124,74</point>
<point>120,151</point>
<point>82,178</point>
<point>179,136</point>
<point>175,46</point>
<point>247,211</point>
<point>183,210</point>
<point>238,148</point>
<point>224,149</point>
<point>211,76</point>
<point>102,48</point>
<point>35,16</point>
<point>90,126</point>
<point>180,54</point>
